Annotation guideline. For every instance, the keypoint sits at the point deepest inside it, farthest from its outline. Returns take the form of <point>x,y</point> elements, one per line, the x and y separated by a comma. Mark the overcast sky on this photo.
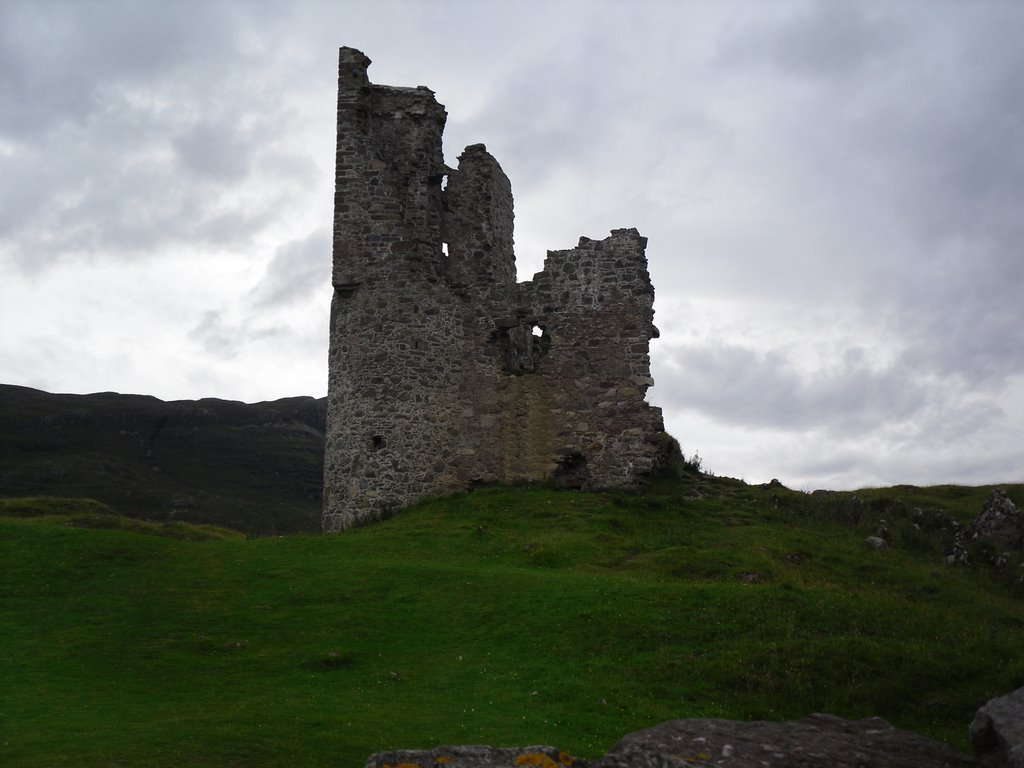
<point>833,194</point>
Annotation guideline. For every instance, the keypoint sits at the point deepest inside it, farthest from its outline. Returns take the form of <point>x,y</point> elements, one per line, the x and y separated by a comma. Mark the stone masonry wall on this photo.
<point>443,371</point>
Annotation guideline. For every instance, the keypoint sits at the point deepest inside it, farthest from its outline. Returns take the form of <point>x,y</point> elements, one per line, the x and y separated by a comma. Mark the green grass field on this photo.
<point>505,616</point>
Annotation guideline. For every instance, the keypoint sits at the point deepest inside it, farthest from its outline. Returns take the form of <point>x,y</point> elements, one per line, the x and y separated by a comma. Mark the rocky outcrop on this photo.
<point>997,733</point>
<point>818,741</point>
<point>1000,524</point>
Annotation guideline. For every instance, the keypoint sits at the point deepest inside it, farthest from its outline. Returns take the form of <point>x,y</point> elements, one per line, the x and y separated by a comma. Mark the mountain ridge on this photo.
<point>179,460</point>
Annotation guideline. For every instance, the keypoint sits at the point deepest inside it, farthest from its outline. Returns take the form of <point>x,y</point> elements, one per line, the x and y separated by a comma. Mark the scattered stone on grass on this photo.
<point>876,543</point>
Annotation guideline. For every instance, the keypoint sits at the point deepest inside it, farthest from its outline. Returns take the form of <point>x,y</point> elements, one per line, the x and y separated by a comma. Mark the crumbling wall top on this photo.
<point>479,220</point>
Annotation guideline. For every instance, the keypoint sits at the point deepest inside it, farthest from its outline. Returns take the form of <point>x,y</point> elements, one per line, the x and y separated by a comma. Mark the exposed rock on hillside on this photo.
<point>1000,521</point>
<point>1000,524</point>
<point>818,741</point>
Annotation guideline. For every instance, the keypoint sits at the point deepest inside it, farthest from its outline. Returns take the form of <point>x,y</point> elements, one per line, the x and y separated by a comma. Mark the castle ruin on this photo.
<point>444,372</point>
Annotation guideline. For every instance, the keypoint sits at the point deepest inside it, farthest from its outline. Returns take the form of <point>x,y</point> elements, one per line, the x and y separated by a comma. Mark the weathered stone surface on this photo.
<point>997,733</point>
<point>818,741</point>
<point>444,371</point>
<point>1000,522</point>
<point>475,757</point>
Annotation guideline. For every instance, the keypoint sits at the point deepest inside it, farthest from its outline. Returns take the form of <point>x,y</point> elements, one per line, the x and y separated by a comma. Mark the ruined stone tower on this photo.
<point>445,372</point>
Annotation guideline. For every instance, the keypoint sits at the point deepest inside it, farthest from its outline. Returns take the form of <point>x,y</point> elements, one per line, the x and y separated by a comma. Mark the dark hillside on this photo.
<point>256,468</point>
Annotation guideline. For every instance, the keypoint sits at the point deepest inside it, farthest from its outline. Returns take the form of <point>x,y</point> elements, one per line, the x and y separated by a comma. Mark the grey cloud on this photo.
<point>866,464</point>
<point>738,385</point>
<point>948,128</point>
<point>224,338</point>
<point>34,94</point>
<point>231,228</point>
<point>539,139</point>
<point>969,457</point>
<point>909,144</point>
<point>965,317</point>
<point>59,60</point>
<point>24,190</point>
<point>590,101</point>
<point>822,40</point>
<point>956,420</point>
<point>834,463</point>
<point>88,200</point>
<point>848,425</point>
<point>928,133</point>
<point>131,123</point>
<point>214,150</point>
<point>215,336</point>
<point>299,268</point>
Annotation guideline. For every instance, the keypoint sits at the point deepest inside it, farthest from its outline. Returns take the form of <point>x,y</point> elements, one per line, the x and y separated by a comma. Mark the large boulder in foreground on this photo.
<point>997,733</point>
<point>818,741</point>
<point>474,757</point>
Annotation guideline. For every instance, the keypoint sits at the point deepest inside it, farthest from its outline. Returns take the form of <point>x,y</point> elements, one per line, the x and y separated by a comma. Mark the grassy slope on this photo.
<point>503,616</point>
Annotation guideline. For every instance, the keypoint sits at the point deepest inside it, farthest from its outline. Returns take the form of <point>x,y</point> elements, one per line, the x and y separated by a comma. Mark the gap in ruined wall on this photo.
<point>522,346</point>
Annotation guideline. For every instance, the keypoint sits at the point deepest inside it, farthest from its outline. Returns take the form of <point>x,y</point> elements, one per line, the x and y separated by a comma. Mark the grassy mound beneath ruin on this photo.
<point>503,616</point>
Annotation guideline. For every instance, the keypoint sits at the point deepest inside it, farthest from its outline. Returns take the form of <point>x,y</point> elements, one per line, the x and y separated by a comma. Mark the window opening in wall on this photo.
<point>571,471</point>
<point>523,346</point>
<point>419,344</point>
<point>377,442</point>
<point>444,249</point>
